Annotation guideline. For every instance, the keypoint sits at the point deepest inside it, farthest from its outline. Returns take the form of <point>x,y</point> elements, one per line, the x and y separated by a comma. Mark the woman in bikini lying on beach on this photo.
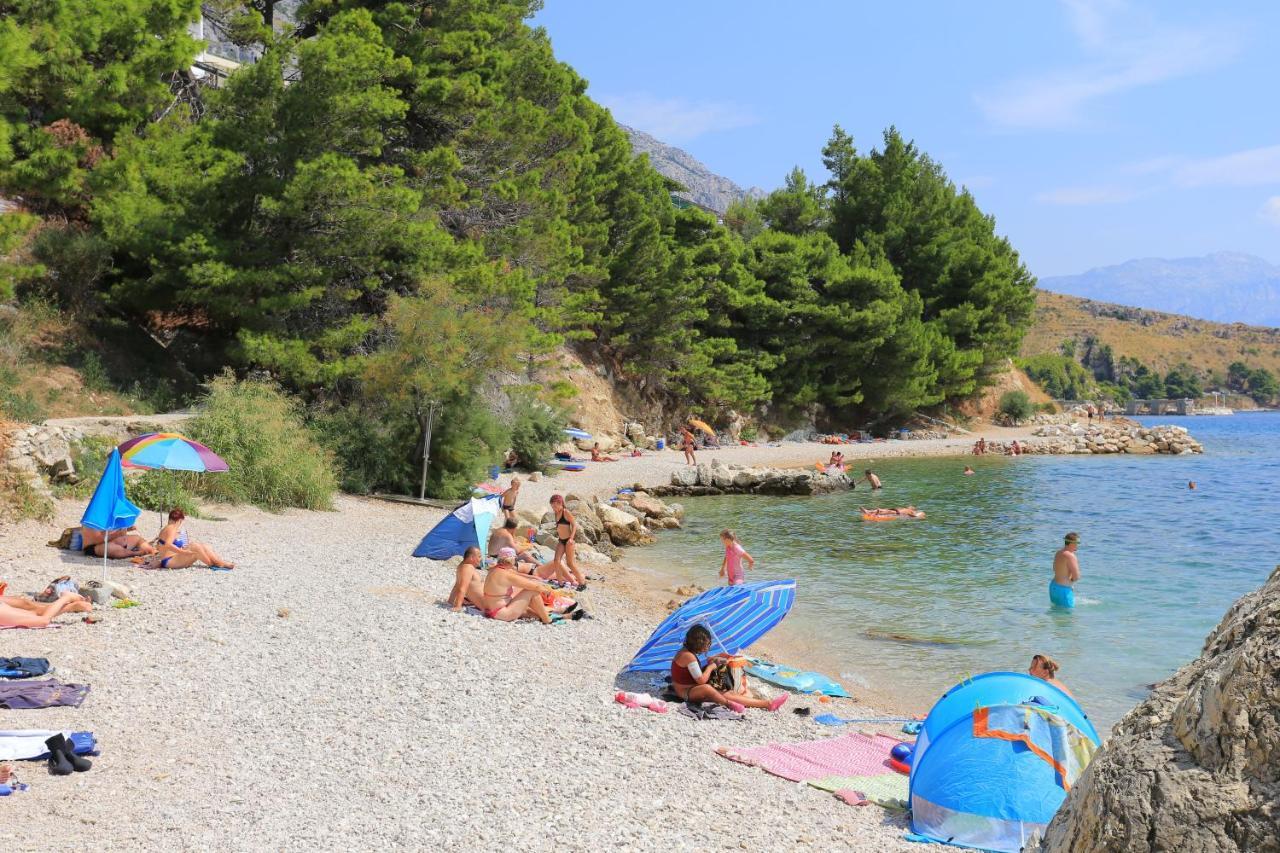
<point>689,679</point>
<point>176,552</point>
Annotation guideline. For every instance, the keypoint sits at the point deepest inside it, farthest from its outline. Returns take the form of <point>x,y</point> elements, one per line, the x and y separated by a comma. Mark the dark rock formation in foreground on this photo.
<point>1196,767</point>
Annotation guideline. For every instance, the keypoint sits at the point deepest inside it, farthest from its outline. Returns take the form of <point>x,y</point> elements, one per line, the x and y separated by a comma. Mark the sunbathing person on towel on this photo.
<point>120,544</point>
<point>508,595</point>
<point>467,586</point>
<point>689,679</point>
<point>19,612</point>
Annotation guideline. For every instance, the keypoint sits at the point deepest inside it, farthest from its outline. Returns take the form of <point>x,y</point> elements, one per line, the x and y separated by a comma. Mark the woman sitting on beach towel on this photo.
<point>508,595</point>
<point>689,679</point>
<point>597,456</point>
<point>177,553</point>
<point>19,612</point>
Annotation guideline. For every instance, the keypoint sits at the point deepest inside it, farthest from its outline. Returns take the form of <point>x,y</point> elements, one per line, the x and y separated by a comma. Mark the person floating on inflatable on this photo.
<point>1066,571</point>
<point>881,514</point>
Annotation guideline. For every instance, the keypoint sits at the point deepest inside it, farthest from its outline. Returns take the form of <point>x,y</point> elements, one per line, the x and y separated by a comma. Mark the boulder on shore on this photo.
<point>1196,767</point>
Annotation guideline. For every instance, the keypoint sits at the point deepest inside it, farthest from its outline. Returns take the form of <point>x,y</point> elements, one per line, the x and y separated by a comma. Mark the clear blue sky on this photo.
<point>1094,130</point>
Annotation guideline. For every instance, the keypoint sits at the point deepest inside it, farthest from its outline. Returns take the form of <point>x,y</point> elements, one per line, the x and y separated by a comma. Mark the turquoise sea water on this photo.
<point>910,606</point>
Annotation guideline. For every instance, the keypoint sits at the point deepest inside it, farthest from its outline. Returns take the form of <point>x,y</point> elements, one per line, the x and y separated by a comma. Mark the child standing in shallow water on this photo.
<point>734,554</point>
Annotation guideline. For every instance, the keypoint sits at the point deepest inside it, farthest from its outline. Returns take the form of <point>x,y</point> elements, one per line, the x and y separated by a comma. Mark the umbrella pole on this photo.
<point>106,546</point>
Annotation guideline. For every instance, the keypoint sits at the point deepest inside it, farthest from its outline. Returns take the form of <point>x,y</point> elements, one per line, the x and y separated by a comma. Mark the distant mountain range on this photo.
<point>703,186</point>
<point>1227,287</point>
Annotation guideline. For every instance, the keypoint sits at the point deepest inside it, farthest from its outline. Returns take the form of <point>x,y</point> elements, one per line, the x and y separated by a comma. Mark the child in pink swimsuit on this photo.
<point>734,554</point>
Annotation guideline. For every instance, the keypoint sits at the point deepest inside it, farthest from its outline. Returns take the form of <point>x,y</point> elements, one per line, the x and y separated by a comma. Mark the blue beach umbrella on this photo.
<point>737,616</point>
<point>574,432</point>
<point>109,509</point>
<point>467,525</point>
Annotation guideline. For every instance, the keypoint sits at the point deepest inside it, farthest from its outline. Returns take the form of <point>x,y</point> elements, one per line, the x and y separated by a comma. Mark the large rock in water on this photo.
<point>1196,767</point>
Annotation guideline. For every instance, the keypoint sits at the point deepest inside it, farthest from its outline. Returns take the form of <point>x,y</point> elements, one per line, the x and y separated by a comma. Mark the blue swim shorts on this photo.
<point>1062,596</point>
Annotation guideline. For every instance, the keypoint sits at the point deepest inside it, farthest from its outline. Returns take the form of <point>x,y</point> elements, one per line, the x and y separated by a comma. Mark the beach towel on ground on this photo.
<point>855,766</point>
<point>50,693</point>
<point>708,711</point>
<point>23,667</point>
<point>28,744</point>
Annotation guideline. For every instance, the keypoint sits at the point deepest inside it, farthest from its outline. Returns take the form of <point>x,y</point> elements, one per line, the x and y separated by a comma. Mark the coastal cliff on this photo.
<point>1196,767</point>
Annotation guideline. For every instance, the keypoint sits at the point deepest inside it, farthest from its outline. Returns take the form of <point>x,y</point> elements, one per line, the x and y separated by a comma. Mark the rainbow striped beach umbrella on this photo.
<point>169,451</point>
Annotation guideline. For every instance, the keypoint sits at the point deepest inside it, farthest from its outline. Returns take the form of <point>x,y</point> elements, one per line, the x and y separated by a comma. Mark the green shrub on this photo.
<point>275,461</point>
<point>374,452</point>
<point>90,457</point>
<point>161,491</point>
<point>1049,408</point>
<point>1016,405</point>
<point>21,407</point>
<point>466,440</point>
<point>535,430</point>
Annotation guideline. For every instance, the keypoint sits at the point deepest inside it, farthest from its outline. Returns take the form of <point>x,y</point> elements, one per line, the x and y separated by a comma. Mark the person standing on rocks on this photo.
<point>566,530</point>
<point>509,499</point>
<point>1066,571</point>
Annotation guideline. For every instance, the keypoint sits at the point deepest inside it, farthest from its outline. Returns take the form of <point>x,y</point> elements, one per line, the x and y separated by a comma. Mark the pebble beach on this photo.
<point>319,696</point>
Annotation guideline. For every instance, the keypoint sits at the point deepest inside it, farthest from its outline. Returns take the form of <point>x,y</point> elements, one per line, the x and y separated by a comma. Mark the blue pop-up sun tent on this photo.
<point>995,759</point>
<point>467,525</point>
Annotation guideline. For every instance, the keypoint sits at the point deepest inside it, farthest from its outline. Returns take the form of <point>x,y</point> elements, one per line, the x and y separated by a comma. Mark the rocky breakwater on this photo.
<point>629,518</point>
<point>1196,767</point>
<point>718,478</point>
<point>1108,438</point>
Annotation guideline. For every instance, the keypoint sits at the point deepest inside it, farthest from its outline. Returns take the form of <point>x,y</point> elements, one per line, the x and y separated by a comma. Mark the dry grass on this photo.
<point>18,500</point>
<point>1161,341</point>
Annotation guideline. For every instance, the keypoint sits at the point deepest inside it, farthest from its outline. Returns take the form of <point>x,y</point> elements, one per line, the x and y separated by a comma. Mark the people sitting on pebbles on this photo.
<point>506,594</point>
<point>691,680</point>
<point>119,544</point>
<point>175,551</point>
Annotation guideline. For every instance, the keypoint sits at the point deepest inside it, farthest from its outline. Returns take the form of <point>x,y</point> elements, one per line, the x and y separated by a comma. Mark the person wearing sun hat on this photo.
<point>1066,571</point>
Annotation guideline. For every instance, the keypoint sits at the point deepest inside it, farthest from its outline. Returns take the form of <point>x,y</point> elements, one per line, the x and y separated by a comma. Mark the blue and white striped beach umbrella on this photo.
<point>737,616</point>
<point>574,432</point>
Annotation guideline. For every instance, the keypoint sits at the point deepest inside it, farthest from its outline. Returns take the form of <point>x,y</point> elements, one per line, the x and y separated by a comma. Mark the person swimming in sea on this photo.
<point>968,470</point>
<point>1066,571</point>
<point>1046,668</point>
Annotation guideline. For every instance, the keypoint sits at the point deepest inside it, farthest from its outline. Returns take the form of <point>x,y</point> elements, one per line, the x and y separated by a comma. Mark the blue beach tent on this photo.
<point>467,525</point>
<point>994,761</point>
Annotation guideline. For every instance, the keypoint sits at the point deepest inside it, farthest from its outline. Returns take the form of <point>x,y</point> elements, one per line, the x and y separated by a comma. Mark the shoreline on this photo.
<point>323,676</point>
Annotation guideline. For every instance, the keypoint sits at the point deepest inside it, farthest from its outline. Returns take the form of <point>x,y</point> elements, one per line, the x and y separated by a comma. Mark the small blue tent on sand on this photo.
<point>467,525</point>
<point>994,761</point>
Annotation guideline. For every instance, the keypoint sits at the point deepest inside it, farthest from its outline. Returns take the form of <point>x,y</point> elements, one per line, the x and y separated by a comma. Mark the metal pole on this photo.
<point>426,449</point>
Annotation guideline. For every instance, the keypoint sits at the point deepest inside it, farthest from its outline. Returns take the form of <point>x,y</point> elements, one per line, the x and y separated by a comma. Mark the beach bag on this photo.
<point>96,592</point>
<point>57,588</point>
<point>71,539</point>
<point>722,679</point>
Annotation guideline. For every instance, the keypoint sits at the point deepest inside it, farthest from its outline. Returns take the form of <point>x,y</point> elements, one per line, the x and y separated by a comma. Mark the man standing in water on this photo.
<point>1066,571</point>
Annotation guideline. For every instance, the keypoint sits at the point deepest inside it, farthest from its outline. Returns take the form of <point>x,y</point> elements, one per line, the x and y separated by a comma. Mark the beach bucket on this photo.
<point>662,444</point>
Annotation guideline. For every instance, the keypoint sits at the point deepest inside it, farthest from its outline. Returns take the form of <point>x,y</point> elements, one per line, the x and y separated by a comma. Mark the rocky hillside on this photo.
<point>704,186</point>
<point>1196,767</point>
<point>1227,287</point>
<point>1159,340</point>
